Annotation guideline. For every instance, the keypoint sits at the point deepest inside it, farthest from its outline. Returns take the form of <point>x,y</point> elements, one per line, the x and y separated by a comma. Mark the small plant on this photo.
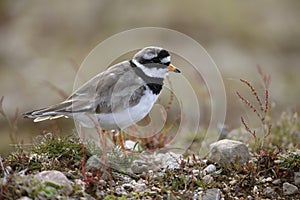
<point>13,123</point>
<point>286,130</point>
<point>261,109</point>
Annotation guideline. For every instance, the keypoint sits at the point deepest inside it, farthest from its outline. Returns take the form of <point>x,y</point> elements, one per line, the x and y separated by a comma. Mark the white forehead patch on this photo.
<point>166,59</point>
<point>149,56</point>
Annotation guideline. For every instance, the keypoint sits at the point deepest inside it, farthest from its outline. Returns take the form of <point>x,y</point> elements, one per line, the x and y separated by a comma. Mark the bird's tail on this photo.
<point>49,113</point>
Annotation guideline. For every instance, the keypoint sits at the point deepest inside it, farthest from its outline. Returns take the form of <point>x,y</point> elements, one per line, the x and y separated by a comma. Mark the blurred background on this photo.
<point>44,43</point>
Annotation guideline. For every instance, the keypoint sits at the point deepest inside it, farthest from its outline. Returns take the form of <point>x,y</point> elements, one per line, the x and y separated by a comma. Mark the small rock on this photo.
<point>268,179</point>
<point>139,162</point>
<point>208,179</point>
<point>80,184</point>
<point>233,182</point>
<point>93,163</point>
<point>121,191</point>
<point>278,161</point>
<point>297,178</point>
<point>156,189</point>
<point>228,151</point>
<point>102,183</point>
<point>152,193</point>
<point>269,192</point>
<point>210,194</point>
<point>121,177</point>
<point>128,187</point>
<point>276,182</point>
<point>139,166</point>
<point>209,169</point>
<point>255,189</point>
<point>129,144</point>
<point>168,160</point>
<point>289,189</point>
<point>24,198</point>
<point>297,152</point>
<point>196,172</point>
<point>139,187</point>
<point>56,177</point>
<point>250,198</point>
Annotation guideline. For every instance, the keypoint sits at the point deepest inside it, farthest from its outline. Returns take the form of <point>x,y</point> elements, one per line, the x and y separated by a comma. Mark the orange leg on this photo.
<point>103,140</point>
<point>114,139</point>
<point>120,138</point>
<point>104,147</point>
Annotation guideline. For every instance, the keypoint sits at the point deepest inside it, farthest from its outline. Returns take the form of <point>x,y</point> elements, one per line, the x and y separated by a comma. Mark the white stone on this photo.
<point>276,182</point>
<point>289,189</point>
<point>228,151</point>
<point>58,178</point>
<point>269,192</point>
<point>208,179</point>
<point>213,193</point>
<point>139,187</point>
<point>128,187</point>
<point>196,172</point>
<point>255,189</point>
<point>297,178</point>
<point>209,169</point>
<point>129,144</point>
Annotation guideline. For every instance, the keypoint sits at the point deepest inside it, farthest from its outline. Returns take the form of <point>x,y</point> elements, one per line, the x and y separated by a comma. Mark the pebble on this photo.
<point>121,191</point>
<point>255,189</point>
<point>156,189</point>
<point>297,178</point>
<point>208,179</point>
<point>80,183</point>
<point>269,192</point>
<point>209,169</point>
<point>93,163</point>
<point>139,166</point>
<point>24,198</point>
<point>196,172</point>
<point>233,182</point>
<point>169,160</point>
<point>129,144</point>
<point>265,180</point>
<point>278,161</point>
<point>58,178</point>
<point>228,151</point>
<point>152,193</point>
<point>139,187</point>
<point>210,194</point>
<point>250,198</point>
<point>276,182</point>
<point>289,189</point>
<point>139,169</point>
<point>128,187</point>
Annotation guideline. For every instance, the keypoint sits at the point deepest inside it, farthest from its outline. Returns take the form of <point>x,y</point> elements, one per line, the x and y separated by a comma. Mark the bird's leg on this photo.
<point>120,138</point>
<point>114,139</point>
<point>103,140</point>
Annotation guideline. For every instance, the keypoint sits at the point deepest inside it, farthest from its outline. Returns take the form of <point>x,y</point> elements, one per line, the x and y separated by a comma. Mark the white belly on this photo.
<point>121,119</point>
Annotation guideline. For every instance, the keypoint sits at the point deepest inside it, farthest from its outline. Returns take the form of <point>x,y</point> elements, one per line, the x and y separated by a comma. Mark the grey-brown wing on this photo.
<point>112,90</point>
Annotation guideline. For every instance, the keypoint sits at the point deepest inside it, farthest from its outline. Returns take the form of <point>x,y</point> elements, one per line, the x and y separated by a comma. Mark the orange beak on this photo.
<point>173,68</point>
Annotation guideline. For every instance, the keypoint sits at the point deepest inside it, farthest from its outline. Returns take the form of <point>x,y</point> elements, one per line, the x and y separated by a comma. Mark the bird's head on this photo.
<point>154,62</point>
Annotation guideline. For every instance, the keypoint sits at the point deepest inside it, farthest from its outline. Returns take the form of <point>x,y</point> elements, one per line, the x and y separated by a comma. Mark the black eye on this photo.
<point>163,54</point>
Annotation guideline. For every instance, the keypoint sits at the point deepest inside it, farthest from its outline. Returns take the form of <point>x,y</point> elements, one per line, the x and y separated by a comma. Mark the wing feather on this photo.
<point>110,91</point>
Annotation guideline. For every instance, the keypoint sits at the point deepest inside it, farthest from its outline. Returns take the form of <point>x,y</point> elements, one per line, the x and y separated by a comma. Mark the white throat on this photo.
<point>152,72</point>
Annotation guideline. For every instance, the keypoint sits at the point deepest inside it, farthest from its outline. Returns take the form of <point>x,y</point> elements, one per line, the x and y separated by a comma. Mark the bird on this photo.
<point>118,97</point>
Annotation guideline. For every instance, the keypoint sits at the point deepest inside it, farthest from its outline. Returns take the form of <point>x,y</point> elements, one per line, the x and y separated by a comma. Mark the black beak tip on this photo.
<point>177,71</point>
